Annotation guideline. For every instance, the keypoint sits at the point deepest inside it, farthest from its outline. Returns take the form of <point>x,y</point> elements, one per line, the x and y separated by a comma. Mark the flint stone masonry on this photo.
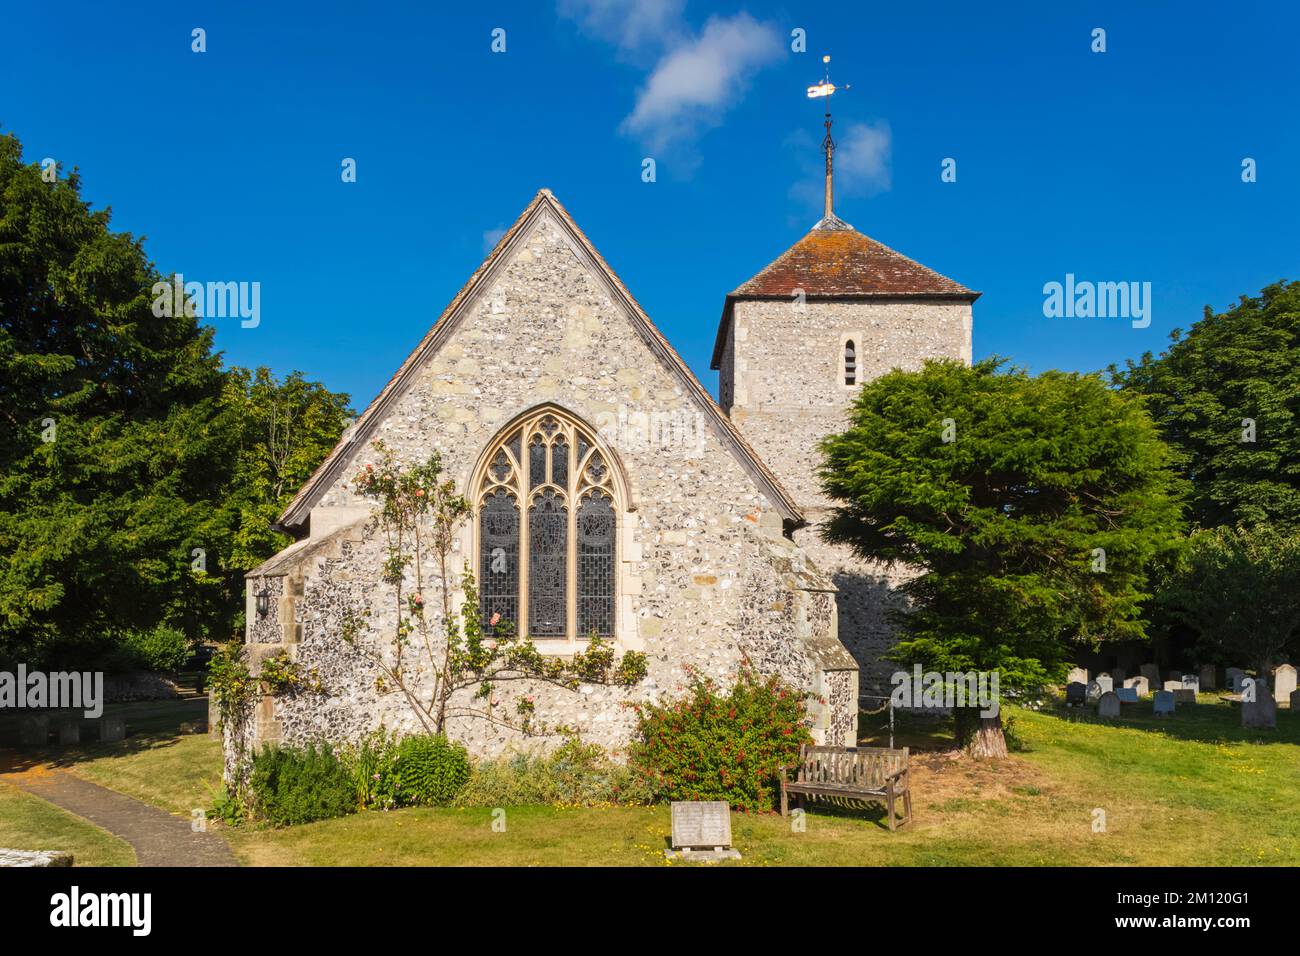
<point>706,576</point>
<point>34,858</point>
<point>782,383</point>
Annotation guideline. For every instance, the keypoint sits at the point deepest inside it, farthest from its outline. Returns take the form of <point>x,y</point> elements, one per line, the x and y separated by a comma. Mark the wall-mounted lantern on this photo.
<point>263,601</point>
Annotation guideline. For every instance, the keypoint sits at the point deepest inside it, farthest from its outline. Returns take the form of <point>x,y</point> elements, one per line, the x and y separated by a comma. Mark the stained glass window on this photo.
<point>499,558</point>
<point>548,504</point>
<point>596,566</point>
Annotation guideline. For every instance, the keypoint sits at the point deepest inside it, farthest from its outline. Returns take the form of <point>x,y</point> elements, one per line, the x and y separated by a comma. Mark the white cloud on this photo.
<point>862,153</point>
<point>492,236</point>
<point>628,24</point>
<point>694,82</point>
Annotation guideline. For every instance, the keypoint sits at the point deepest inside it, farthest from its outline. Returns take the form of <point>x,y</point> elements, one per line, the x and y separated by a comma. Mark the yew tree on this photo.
<point>1034,509</point>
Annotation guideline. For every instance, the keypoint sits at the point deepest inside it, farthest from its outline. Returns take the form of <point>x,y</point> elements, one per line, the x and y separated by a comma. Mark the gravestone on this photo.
<point>1079,674</point>
<point>1094,691</point>
<point>702,831</point>
<point>1163,703</point>
<point>34,731</point>
<point>1295,700</point>
<point>1076,692</point>
<point>1283,683</point>
<point>1152,674</point>
<point>1173,685</point>
<point>1261,713</point>
<point>112,729</point>
<point>1174,675</point>
<point>1209,679</point>
<point>1185,695</point>
<point>1138,684</point>
<point>1105,682</point>
<point>1127,695</point>
<point>1118,674</point>
<point>1233,677</point>
<point>1192,682</point>
<point>70,732</point>
<point>1108,705</point>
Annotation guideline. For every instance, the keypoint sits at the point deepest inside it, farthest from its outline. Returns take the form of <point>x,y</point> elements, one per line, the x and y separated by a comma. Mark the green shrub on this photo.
<point>430,770</point>
<point>714,746</point>
<point>574,774</point>
<point>373,766</point>
<point>291,786</point>
<point>162,648</point>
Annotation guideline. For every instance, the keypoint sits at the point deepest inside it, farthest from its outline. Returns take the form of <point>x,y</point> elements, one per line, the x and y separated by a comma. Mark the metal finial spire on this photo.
<point>824,89</point>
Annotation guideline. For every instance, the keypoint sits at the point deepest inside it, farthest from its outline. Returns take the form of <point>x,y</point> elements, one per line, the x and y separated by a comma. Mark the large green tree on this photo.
<point>1226,396</point>
<point>1033,508</point>
<point>129,458</point>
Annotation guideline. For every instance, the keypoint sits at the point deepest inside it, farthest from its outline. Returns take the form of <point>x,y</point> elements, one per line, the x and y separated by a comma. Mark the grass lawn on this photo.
<point>29,823</point>
<point>1194,789</point>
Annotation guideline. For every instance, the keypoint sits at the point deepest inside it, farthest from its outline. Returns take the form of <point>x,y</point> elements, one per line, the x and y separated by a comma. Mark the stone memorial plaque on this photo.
<point>703,824</point>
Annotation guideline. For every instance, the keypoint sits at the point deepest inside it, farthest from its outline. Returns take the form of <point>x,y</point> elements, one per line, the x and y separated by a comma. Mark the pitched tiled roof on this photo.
<point>543,204</point>
<point>834,260</point>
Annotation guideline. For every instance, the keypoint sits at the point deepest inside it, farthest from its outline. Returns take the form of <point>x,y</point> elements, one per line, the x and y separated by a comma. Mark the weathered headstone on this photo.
<point>1173,685</point>
<point>1283,683</point>
<point>1108,705</point>
<point>1163,703</point>
<point>1209,679</point>
<point>34,731</point>
<point>69,732</point>
<point>1138,684</point>
<point>1233,676</point>
<point>1192,682</point>
<point>1295,700</point>
<point>1127,695</point>
<point>1094,691</point>
<point>1117,674</point>
<point>1079,674</point>
<point>1076,692</point>
<point>112,729</point>
<point>702,831</point>
<point>1185,695</point>
<point>1105,683</point>
<point>1260,713</point>
<point>1174,675</point>
<point>1152,674</point>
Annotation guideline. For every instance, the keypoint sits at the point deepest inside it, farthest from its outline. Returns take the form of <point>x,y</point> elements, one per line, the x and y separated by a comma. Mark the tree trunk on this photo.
<point>980,736</point>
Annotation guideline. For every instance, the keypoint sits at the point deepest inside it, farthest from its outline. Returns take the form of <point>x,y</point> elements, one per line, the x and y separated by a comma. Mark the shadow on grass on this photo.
<point>149,724</point>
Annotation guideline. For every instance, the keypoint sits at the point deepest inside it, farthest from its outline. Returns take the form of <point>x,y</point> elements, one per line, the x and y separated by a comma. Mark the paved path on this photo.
<point>159,838</point>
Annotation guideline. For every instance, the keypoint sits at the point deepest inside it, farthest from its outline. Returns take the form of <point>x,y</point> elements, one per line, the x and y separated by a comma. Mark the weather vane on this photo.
<point>824,89</point>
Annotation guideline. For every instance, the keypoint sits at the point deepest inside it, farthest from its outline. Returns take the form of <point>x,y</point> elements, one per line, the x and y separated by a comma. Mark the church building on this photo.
<point>610,493</point>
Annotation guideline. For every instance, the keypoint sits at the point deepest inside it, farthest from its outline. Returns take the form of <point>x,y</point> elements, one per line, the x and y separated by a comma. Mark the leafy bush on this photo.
<point>574,774</point>
<point>292,786</point>
<point>430,770</point>
<point>714,746</point>
<point>373,766</point>
<point>162,648</point>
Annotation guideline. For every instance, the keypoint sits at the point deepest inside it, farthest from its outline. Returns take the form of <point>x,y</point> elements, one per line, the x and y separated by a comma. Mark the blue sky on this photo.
<point>1115,166</point>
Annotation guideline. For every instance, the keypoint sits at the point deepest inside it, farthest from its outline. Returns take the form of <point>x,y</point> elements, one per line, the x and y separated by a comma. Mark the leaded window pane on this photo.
<point>560,463</point>
<point>536,463</point>
<point>515,444</point>
<point>596,567</point>
<point>548,560</point>
<point>499,557</point>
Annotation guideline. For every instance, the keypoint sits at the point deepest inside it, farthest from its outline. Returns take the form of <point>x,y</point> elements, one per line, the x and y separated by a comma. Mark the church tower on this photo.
<point>794,345</point>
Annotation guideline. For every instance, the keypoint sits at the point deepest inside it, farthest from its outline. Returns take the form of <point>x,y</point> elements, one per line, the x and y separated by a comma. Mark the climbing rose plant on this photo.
<point>420,514</point>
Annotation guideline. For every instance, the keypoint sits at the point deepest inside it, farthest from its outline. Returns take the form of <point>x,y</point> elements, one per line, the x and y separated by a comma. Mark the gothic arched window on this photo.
<point>850,363</point>
<point>548,507</point>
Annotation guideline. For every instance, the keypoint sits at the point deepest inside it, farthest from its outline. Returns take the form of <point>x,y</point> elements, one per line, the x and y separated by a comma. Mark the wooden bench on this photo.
<point>851,773</point>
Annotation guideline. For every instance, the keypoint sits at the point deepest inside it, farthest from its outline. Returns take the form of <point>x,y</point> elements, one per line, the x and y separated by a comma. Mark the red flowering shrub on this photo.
<point>714,746</point>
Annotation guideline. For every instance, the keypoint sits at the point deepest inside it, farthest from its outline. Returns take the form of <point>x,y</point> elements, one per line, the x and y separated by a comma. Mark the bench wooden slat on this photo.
<point>874,773</point>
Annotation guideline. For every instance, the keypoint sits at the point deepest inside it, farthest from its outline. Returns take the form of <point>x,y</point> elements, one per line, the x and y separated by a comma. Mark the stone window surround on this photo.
<point>857,338</point>
<point>627,549</point>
